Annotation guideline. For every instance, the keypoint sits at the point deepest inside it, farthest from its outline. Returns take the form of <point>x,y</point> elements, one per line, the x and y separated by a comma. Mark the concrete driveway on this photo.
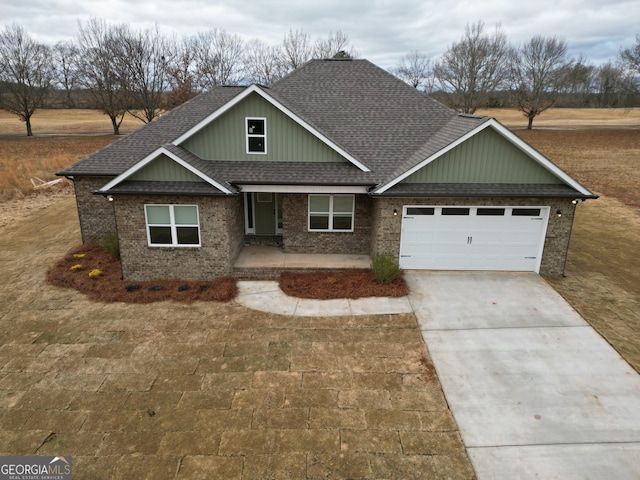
<point>536,392</point>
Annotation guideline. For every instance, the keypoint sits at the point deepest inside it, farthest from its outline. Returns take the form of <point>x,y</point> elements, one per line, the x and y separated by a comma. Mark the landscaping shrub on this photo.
<point>111,244</point>
<point>385,268</point>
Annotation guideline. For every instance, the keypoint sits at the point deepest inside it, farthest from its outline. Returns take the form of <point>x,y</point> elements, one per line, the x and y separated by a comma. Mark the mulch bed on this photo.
<point>109,287</point>
<point>344,284</point>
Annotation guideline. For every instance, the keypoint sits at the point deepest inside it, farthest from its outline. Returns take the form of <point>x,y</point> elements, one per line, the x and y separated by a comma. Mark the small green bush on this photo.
<point>110,242</point>
<point>385,268</point>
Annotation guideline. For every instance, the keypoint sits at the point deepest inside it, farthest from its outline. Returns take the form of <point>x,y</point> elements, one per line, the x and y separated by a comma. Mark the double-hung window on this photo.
<point>172,225</point>
<point>256,135</point>
<point>331,213</point>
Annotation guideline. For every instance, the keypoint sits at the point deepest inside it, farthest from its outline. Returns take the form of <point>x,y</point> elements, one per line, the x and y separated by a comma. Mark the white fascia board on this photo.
<point>149,158</point>
<point>305,188</point>
<point>513,138</point>
<point>283,109</point>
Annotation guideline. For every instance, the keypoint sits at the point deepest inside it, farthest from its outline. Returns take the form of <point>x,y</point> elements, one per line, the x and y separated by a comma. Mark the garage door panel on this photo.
<point>488,238</point>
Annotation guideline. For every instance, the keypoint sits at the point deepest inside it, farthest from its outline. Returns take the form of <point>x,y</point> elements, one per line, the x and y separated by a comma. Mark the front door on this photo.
<point>266,207</point>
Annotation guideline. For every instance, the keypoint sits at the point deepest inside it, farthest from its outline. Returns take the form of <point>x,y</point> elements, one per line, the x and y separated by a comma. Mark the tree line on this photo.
<point>120,70</point>
<point>483,69</point>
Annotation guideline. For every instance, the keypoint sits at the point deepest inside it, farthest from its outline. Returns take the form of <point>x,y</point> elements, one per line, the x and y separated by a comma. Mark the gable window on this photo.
<point>256,135</point>
<point>172,225</point>
<point>331,213</point>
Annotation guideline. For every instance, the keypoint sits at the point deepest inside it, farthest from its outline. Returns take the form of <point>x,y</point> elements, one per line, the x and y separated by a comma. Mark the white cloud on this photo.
<point>380,30</point>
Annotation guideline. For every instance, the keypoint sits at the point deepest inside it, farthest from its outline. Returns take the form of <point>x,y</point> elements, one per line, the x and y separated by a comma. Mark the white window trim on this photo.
<point>250,135</point>
<point>330,213</point>
<point>172,224</point>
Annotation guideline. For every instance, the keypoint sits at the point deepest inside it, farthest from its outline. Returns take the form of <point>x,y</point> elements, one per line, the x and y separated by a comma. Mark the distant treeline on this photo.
<point>117,69</point>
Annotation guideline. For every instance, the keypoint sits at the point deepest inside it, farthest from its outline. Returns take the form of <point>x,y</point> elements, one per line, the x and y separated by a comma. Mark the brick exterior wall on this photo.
<point>297,238</point>
<point>221,237</point>
<point>94,211</point>
<point>387,227</point>
<point>376,230</point>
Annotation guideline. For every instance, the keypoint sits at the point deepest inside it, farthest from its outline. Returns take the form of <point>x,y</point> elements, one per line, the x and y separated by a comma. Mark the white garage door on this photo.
<point>473,238</point>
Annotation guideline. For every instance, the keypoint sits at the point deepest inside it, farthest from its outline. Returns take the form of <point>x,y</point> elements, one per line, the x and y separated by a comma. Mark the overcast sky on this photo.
<point>380,30</point>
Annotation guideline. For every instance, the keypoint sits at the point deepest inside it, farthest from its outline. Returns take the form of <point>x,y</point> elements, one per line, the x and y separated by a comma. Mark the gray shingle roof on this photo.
<point>370,113</point>
<point>475,190</point>
<point>130,187</point>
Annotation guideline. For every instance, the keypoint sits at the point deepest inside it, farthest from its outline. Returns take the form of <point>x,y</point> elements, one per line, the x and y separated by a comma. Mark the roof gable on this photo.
<point>164,168</point>
<point>254,89</point>
<point>224,137</point>
<point>486,157</point>
<point>146,169</point>
<point>558,174</point>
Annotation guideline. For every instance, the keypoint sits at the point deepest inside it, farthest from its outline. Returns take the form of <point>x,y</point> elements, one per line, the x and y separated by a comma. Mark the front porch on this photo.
<point>257,262</point>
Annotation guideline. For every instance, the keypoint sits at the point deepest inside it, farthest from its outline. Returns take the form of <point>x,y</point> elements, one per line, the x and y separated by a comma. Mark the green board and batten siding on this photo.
<point>164,168</point>
<point>486,157</point>
<point>225,137</point>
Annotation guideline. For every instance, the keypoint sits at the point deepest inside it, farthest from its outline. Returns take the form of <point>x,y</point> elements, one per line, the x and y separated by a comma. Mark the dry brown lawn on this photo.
<point>67,122</point>
<point>23,159</point>
<point>569,118</point>
<point>212,390</point>
<point>208,390</point>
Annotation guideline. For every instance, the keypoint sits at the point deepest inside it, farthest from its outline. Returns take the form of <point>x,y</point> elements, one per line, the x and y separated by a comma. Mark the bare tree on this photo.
<point>416,69</point>
<point>65,56</point>
<point>335,45</point>
<point>263,63</point>
<point>218,56</point>
<point>538,72</point>
<point>613,85</point>
<point>181,70</point>
<point>474,67</point>
<point>580,83</point>
<point>630,59</point>
<point>296,49</point>
<point>142,59</point>
<point>26,71</point>
<point>96,45</point>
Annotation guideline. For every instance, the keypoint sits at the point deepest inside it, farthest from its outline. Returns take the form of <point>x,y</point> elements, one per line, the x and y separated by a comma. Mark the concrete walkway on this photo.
<point>536,392</point>
<point>266,296</point>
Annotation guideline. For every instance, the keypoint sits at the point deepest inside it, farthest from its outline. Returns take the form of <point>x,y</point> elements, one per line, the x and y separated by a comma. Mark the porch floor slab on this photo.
<point>260,257</point>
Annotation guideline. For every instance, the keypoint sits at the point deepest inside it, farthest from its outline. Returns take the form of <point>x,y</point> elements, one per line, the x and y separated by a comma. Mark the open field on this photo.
<point>24,158</point>
<point>67,122</point>
<point>568,118</point>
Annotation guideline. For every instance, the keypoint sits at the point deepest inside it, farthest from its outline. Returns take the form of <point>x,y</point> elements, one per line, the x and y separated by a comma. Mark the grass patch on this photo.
<point>22,159</point>
<point>385,268</point>
<point>343,284</point>
<point>107,285</point>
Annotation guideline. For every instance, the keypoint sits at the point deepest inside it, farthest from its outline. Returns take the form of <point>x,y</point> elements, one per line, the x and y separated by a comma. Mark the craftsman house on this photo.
<point>337,157</point>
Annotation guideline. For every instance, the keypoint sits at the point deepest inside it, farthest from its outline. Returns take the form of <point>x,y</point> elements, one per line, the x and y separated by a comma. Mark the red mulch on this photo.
<point>345,284</point>
<point>109,287</point>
